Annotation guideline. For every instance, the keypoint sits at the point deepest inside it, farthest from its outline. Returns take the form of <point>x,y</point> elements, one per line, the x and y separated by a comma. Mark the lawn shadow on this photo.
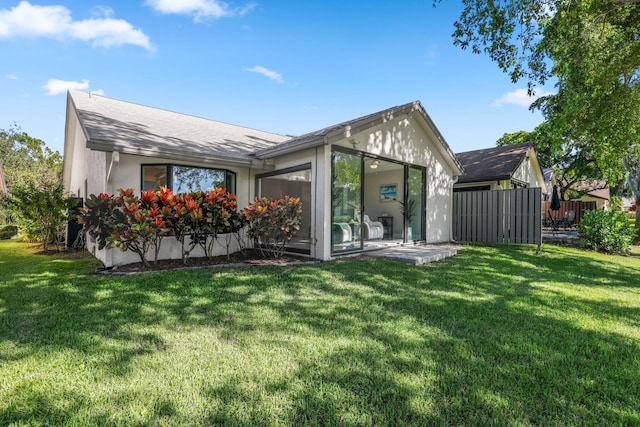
<point>467,341</point>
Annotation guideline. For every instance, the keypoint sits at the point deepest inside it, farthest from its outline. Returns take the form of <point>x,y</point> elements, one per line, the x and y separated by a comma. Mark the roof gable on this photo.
<point>492,164</point>
<point>346,129</point>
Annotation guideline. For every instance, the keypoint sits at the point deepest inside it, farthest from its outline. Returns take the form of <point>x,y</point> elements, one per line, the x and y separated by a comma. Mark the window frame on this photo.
<point>169,172</point>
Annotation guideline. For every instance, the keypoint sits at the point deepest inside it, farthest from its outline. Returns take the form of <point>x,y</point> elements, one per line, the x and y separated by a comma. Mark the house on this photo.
<point>592,190</point>
<point>501,168</point>
<point>351,177</point>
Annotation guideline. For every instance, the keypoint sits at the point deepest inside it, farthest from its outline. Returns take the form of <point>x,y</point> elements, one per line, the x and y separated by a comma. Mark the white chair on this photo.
<point>340,233</point>
<point>372,229</point>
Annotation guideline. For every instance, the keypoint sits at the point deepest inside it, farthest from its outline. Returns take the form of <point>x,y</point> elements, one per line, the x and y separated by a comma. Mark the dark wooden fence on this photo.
<point>565,206</point>
<point>498,216</point>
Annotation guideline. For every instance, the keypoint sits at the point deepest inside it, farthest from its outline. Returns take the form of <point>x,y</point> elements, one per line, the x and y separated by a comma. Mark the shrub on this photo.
<point>273,223</point>
<point>606,231</point>
<point>100,218</point>
<point>143,221</point>
<point>8,231</point>
<point>42,209</point>
<point>138,224</point>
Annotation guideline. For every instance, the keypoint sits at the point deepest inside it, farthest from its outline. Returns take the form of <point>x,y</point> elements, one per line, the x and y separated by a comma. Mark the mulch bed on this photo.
<point>250,258</point>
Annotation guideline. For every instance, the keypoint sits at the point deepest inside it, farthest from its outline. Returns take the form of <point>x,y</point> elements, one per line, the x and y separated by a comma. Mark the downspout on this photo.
<point>455,179</point>
<point>314,228</point>
<point>115,160</point>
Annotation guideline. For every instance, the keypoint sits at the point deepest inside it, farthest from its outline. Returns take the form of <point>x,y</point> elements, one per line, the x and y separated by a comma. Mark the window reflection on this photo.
<point>183,179</point>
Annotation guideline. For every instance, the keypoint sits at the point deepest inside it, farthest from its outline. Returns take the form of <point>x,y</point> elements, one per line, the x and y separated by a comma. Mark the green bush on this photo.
<point>606,231</point>
<point>8,231</point>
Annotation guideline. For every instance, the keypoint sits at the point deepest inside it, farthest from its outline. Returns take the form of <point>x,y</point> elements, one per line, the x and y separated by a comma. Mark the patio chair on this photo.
<point>547,220</point>
<point>554,223</point>
<point>567,221</point>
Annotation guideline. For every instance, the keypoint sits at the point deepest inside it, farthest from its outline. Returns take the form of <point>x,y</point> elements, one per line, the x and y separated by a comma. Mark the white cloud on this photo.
<point>56,87</point>
<point>519,97</point>
<point>97,92</point>
<point>267,73</point>
<point>27,20</point>
<point>101,11</point>
<point>11,77</point>
<point>201,10</point>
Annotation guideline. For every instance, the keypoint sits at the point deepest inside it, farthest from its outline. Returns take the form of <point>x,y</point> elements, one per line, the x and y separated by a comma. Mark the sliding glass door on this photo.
<point>346,201</point>
<point>415,204</point>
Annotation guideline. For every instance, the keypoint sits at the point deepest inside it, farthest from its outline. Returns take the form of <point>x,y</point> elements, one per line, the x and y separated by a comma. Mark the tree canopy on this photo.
<point>26,159</point>
<point>591,48</point>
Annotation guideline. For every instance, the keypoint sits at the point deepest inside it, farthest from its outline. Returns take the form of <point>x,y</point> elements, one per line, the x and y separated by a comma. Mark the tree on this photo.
<point>43,205</point>
<point>33,175</point>
<point>592,48</point>
<point>27,159</point>
<point>632,164</point>
<point>572,161</point>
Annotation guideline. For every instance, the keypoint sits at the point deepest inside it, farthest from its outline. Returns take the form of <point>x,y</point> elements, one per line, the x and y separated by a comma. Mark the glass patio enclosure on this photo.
<point>374,201</point>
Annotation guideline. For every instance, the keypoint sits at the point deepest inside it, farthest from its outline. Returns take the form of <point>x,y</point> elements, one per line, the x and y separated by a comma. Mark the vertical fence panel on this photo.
<point>499,216</point>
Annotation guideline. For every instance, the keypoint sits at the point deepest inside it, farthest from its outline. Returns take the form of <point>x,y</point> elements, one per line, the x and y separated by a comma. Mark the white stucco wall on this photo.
<point>529,171</point>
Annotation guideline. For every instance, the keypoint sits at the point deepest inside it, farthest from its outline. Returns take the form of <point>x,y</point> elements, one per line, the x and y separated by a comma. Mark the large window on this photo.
<point>182,179</point>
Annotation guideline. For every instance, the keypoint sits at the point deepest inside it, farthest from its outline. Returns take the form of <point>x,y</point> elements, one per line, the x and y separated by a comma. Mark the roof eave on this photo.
<point>103,145</point>
<point>462,179</point>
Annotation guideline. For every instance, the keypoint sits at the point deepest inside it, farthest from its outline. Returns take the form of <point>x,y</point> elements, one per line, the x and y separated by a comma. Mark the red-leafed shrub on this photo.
<point>195,219</point>
<point>272,223</point>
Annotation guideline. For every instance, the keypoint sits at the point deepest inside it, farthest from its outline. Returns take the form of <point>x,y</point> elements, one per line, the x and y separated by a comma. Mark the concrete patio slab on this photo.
<point>416,255</point>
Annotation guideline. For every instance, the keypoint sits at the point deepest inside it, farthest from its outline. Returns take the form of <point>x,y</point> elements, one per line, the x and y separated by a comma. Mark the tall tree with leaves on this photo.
<point>27,159</point>
<point>572,161</point>
<point>592,49</point>
<point>33,176</point>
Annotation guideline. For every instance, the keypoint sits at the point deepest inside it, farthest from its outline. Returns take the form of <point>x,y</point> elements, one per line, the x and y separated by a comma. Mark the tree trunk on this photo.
<point>637,240</point>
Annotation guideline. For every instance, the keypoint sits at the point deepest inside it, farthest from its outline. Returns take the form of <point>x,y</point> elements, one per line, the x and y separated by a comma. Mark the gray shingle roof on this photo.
<point>111,124</point>
<point>492,164</point>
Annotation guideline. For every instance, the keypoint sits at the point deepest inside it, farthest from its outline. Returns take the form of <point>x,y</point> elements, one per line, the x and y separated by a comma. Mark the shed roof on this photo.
<point>492,164</point>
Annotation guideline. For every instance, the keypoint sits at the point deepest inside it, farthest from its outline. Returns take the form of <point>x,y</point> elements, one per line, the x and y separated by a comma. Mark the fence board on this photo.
<point>498,216</point>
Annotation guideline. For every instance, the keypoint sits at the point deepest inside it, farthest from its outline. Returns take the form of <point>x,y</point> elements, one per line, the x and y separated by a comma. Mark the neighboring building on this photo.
<point>628,203</point>
<point>501,168</point>
<point>398,153</point>
<point>593,190</point>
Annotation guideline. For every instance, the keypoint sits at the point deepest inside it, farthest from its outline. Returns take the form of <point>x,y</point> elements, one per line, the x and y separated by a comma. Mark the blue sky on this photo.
<point>288,67</point>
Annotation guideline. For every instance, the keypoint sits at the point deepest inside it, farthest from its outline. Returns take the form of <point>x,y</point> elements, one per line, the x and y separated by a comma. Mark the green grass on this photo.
<point>495,336</point>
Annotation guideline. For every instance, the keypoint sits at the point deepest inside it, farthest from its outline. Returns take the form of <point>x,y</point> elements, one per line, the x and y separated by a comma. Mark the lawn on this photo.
<point>494,336</point>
